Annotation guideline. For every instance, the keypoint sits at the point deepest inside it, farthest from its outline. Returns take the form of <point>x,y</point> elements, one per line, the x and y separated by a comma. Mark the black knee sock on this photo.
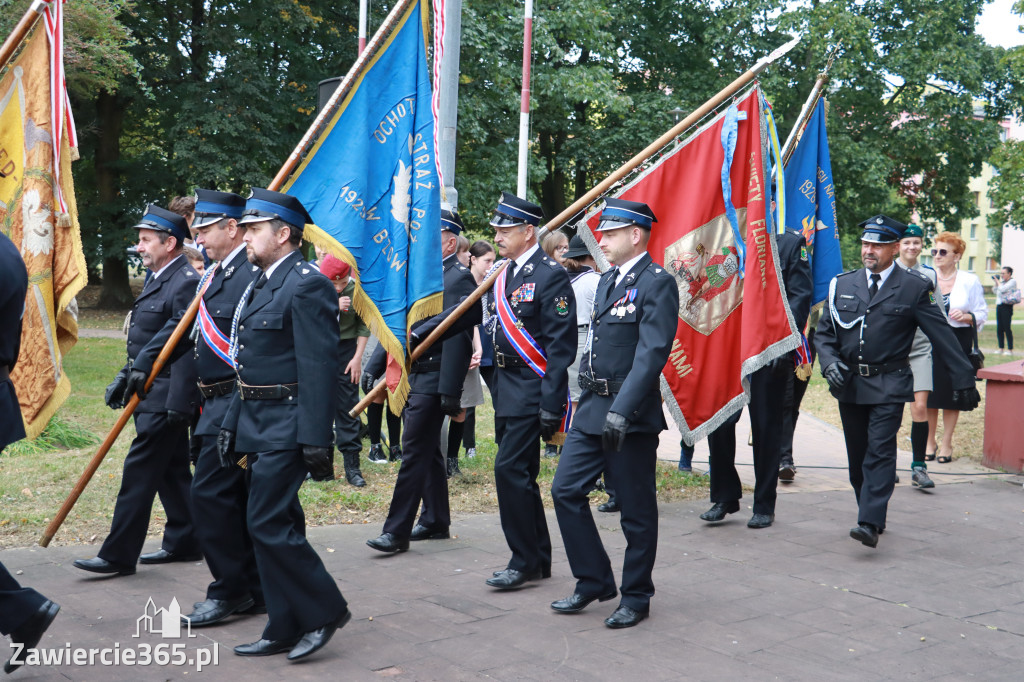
<point>394,429</point>
<point>374,414</point>
<point>469,429</point>
<point>918,442</point>
<point>455,430</point>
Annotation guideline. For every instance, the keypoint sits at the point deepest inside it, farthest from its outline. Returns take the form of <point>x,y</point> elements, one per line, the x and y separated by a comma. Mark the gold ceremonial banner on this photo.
<point>50,242</point>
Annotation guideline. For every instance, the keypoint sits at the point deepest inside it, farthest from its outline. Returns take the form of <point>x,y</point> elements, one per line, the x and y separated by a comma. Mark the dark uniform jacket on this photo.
<point>287,335</point>
<point>221,297</point>
<point>548,313</point>
<point>13,287</point>
<point>796,275</point>
<point>904,302</point>
<point>631,347</point>
<point>441,370</point>
<point>156,312</point>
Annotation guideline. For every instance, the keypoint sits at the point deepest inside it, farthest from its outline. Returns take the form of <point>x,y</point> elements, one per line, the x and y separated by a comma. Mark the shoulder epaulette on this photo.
<point>848,272</point>
<point>305,269</point>
<point>551,262</point>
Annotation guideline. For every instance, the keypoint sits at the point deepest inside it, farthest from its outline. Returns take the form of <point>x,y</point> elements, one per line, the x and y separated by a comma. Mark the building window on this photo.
<point>974,229</point>
<point>970,263</point>
<point>977,198</point>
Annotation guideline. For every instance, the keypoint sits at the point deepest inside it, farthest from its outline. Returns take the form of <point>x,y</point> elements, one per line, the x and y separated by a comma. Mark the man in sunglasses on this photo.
<point>864,340</point>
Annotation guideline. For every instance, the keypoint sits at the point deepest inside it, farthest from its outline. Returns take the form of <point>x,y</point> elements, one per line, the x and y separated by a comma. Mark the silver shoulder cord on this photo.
<point>835,314</point>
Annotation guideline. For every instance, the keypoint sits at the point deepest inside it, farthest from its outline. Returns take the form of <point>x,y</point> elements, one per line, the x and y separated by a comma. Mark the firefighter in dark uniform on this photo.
<point>435,390</point>
<point>25,614</point>
<point>615,430</point>
<point>284,343</point>
<point>863,341</point>
<point>157,462</point>
<point>767,387</point>
<point>539,299</point>
<point>219,489</point>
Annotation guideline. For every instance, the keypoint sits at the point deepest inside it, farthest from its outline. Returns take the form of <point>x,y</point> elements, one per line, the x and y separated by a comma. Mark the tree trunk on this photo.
<point>110,118</point>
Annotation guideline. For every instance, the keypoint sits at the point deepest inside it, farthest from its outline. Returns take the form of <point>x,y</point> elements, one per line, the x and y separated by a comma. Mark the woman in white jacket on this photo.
<point>962,296</point>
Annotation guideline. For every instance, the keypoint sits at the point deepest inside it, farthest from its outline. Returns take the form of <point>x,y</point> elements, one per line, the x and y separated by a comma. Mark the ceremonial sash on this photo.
<point>218,342</point>
<point>524,344</point>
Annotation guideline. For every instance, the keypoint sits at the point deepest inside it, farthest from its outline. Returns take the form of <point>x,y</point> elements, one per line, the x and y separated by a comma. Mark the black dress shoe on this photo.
<point>99,565</point>
<point>387,542</point>
<point>315,640</point>
<point>720,509</point>
<point>760,520</point>
<point>612,505</point>
<point>510,579</point>
<point>423,533</point>
<point>625,617</point>
<point>162,556</point>
<point>866,534</point>
<point>787,472</point>
<point>577,602</point>
<point>544,572</point>
<point>267,647</point>
<point>31,632</point>
<point>215,610</point>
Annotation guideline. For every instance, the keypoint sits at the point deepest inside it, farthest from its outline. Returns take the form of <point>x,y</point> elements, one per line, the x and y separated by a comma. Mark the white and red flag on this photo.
<point>712,198</point>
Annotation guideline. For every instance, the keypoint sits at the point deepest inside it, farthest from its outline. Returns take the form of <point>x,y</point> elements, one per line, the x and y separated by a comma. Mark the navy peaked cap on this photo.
<point>451,221</point>
<point>265,204</point>
<point>162,220</point>
<point>881,229</point>
<point>621,213</point>
<point>515,211</point>
<point>212,206</point>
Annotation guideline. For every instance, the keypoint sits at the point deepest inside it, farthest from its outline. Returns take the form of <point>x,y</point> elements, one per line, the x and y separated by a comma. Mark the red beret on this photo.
<point>334,268</point>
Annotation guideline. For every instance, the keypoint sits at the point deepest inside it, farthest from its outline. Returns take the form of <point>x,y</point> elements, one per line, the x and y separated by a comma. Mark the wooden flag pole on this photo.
<point>21,30</point>
<point>122,420</point>
<point>808,109</point>
<point>590,197</point>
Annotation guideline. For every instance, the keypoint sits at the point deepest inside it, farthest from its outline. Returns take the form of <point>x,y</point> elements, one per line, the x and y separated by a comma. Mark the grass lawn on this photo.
<point>34,481</point>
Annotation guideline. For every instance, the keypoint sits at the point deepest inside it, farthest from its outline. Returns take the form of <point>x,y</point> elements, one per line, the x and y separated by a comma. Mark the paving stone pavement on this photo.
<point>941,598</point>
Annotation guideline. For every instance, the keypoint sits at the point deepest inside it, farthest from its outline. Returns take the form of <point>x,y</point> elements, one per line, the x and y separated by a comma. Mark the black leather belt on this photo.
<point>421,366</point>
<point>506,361</point>
<point>275,392</point>
<point>872,370</point>
<point>5,372</point>
<point>217,388</point>
<point>600,386</point>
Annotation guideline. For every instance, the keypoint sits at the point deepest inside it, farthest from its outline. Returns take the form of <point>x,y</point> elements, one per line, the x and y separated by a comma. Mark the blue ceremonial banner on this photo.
<point>371,185</point>
<point>811,203</point>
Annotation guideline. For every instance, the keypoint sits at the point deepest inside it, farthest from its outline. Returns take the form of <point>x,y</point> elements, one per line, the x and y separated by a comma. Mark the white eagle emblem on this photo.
<point>401,198</point>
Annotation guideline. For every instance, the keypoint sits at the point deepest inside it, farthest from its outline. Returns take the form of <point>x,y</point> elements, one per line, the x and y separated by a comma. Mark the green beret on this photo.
<point>913,231</point>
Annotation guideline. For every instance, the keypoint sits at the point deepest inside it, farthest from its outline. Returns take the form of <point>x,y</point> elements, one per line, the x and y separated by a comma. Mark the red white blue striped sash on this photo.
<point>214,337</point>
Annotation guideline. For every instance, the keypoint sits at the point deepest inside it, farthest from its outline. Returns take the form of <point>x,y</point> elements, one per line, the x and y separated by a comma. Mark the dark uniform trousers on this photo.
<point>287,334</point>
<point>157,464</point>
<point>629,346</point>
<point>546,307</point>
<point>633,471</point>
<point>768,388</point>
<point>304,595</point>
<point>346,427</point>
<point>157,461</point>
<point>17,603</point>
<point>441,370</point>
<point>870,432</point>
<point>766,413</point>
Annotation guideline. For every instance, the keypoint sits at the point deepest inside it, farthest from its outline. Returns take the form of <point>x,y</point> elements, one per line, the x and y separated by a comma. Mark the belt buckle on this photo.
<point>500,359</point>
<point>864,370</point>
<point>603,385</point>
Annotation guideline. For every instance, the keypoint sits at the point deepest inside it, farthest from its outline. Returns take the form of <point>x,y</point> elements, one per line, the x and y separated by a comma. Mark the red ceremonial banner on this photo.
<point>729,326</point>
